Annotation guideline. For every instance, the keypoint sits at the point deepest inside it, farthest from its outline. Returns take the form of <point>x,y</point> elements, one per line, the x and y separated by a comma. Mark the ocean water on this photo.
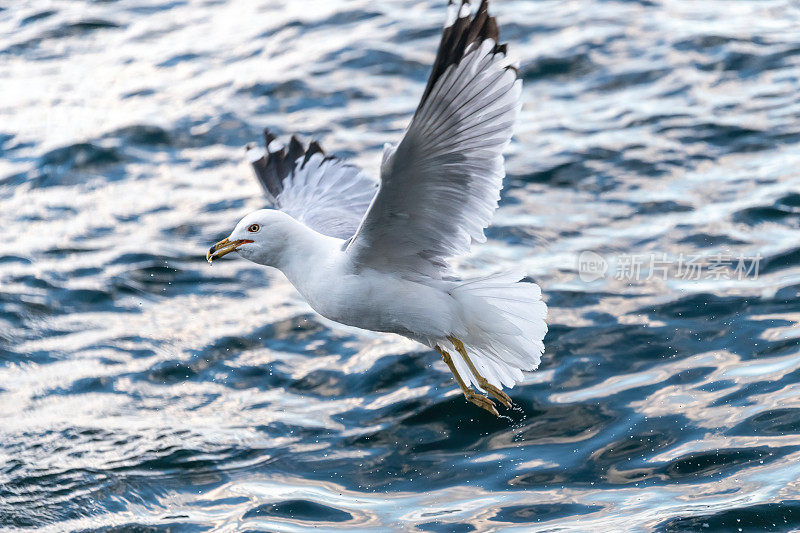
<point>653,191</point>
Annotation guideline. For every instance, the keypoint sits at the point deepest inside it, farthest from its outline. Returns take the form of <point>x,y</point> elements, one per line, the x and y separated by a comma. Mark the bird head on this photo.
<point>251,238</point>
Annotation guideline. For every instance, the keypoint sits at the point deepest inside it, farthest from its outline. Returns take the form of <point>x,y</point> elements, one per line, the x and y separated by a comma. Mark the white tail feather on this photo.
<point>505,321</point>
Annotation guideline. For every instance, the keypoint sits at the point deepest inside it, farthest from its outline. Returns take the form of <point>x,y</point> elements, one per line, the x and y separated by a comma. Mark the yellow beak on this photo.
<point>224,247</point>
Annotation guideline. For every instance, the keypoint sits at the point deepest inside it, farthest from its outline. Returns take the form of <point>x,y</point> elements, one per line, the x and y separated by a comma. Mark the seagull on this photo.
<point>375,255</point>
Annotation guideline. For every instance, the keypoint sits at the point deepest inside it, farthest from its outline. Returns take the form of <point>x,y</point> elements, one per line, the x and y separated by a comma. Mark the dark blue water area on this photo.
<point>653,191</point>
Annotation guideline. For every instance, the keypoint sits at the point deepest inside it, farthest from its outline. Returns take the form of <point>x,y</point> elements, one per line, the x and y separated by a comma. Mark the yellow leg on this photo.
<point>478,399</point>
<point>501,396</point>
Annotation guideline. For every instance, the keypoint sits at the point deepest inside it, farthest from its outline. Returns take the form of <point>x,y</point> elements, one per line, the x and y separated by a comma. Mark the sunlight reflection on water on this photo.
<point>140,387</point>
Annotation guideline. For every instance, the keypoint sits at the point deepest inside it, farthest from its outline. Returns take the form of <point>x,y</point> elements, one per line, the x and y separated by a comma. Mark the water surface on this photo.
<point>144,390</point>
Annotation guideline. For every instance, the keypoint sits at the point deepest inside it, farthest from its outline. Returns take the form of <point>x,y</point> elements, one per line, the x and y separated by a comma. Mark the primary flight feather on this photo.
<point>375,255</point>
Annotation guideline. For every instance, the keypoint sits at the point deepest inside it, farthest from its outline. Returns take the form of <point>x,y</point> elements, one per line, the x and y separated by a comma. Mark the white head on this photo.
<point>260,237</point>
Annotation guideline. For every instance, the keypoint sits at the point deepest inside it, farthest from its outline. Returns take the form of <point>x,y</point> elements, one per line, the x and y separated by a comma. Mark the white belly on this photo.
<point>380,302</point>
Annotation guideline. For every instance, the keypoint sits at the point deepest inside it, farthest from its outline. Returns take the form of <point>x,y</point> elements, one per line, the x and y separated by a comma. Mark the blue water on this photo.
<point>141,389</point>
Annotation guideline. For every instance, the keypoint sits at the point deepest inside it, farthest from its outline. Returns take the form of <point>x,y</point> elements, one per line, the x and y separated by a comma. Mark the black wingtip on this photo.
<point>315,148</point>
<point>458,37</point>
<point>275,166</point>
<point>296,149</point>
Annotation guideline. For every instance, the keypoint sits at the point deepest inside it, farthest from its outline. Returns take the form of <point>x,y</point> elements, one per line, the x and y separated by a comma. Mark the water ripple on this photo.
<point>141,389</point>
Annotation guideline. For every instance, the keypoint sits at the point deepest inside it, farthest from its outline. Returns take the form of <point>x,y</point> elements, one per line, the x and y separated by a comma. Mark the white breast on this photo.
<point>374,300</point>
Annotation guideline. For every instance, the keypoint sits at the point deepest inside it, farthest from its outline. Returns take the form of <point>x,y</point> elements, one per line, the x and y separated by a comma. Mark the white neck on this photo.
<point>294,249</point>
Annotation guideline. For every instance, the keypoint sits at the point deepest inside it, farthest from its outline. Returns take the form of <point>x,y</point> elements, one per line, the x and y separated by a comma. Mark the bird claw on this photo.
<point>501,396</point>
<point>478,399</point>
<point>483,383</point>
<point>483,402</point>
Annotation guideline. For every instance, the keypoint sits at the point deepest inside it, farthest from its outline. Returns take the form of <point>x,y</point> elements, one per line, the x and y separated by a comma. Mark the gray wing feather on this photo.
<point>440,185</point>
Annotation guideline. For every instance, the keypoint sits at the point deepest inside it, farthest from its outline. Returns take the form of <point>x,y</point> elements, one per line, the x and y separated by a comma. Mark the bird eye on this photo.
<point>253,228</point>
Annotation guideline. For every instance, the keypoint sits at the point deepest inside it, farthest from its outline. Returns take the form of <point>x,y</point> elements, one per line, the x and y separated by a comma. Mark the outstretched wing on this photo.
<point>323,192</point>
<point>440,185</point>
